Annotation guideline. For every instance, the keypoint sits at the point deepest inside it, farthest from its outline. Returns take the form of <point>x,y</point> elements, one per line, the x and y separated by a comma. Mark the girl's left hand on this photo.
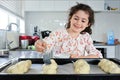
<point>77,56</point>
<point>74,56</point>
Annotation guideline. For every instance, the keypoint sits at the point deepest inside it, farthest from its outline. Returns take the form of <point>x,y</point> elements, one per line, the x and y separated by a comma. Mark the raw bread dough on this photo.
<point>81,67</point>
<point>50,68</point>
<point>108,66</point>
<point>102,62</point>
<point>20,67</point>
<point>115,71</point>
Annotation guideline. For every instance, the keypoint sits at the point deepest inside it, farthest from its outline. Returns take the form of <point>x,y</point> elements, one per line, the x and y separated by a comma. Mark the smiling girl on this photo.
<point>74,41</point>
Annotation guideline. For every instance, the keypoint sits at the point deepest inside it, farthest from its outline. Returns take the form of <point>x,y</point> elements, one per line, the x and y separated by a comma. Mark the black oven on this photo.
<point>103,51</point>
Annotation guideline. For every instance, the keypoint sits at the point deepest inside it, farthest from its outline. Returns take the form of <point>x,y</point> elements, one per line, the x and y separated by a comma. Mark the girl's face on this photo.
<point>79,21</point>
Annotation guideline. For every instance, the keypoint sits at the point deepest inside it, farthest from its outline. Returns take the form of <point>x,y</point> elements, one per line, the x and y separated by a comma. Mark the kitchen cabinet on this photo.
<point>46,5</point>
<point>39,5</point>
<point>117,55</point>
<point>13,6</point>
<point>111,51</point>
<point>97,5</point>
<point>60,5</point>
<point>31,5</point>
<point>73,2</point>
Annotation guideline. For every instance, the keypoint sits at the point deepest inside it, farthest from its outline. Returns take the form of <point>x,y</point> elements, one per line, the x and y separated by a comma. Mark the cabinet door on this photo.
<point>47,5</point>
<point>31,5</point>
<point>117,52</point>
<point>97,5</point>
<point>74,2</point>
<point>13,6</point>
<point>111,51</point>
<point>39,5</point>
<point>61,5</point>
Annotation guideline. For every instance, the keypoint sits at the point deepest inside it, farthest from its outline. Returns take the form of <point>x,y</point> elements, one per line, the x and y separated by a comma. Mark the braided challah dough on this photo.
<point>50,68</point>
<point>109,66</point>
<point>81,67</point>
<point>20,67</point>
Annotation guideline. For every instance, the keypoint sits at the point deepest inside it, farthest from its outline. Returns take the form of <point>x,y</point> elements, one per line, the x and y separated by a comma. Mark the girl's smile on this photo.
<point>77,26</point>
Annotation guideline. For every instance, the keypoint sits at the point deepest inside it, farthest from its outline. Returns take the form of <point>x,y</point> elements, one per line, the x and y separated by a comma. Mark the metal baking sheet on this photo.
<point>66,68</point>
<point>62,69</point>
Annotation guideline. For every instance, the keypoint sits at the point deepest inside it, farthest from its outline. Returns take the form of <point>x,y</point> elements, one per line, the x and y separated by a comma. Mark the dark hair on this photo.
<point>85,8</point>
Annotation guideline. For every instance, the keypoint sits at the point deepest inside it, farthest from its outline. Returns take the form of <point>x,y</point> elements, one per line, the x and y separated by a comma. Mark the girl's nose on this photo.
<point>79,22</point>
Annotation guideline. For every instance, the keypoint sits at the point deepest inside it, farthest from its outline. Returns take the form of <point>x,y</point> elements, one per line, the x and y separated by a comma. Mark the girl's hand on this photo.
<point>89,56</point>
<point>74,56</point>
<point>40,46</point>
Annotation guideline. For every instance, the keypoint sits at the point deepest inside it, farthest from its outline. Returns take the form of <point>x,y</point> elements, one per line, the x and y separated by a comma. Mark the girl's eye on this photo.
<point>76,18</point>
<point>83,21</point>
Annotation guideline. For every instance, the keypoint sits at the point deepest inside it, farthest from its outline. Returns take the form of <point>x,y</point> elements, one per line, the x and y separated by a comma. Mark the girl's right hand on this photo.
<point>40,46</point>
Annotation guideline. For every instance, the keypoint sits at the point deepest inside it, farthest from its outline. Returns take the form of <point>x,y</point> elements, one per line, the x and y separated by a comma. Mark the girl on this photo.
<point>74,41</point>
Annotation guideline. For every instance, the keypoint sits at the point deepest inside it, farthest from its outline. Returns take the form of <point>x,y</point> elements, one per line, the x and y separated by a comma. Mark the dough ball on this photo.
<point>81,67</point>
<point>115,71</point>
<point>51,71</point>
<point>108,66</point>
<point>14,70</point>
<point>24,65</point>
<point>50,68</point>
<point>20,67</point>
<point>102,62</point>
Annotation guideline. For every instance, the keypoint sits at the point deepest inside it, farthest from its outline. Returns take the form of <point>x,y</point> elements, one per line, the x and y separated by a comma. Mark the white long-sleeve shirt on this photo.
<point>63,44</point>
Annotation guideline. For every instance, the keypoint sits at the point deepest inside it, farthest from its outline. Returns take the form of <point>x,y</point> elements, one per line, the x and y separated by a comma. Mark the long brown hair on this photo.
<point>85,8</point>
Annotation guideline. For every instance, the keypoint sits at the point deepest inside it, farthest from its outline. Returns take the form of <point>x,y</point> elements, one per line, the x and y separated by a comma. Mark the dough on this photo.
<point>102,62</point>
<point>50,68</point>
<point>81,67</point>
<point>108,66</point>
<point>20,67</point>
<point>115,71</point>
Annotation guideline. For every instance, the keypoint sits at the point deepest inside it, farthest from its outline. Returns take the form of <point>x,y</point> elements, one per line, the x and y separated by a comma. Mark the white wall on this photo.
<point>104,22</point>
<point>44,20</point>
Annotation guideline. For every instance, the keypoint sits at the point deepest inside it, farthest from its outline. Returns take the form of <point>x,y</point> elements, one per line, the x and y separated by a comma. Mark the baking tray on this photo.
<point>4,62</point>
<point>32,74</point>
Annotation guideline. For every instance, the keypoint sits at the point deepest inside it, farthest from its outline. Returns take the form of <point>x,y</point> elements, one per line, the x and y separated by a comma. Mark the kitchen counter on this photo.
<point>18,54</point>
<point>95,44</point>
<point>99,44</point>
<point>25,54</point>
<point>20,49</point>
<point>28,53</point>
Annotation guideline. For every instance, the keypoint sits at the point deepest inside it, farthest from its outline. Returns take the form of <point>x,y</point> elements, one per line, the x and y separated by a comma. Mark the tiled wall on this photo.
<point>104,22</point>
<point>45,21</point>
